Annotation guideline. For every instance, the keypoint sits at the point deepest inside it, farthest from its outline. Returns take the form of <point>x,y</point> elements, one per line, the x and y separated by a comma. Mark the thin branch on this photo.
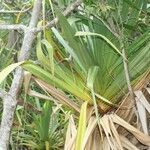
<point>125,61</point>
<point>67,11</point>
<point>50,24</point>
<point>126,70</point>
<point>10,101</point>
<point>71,7</point>
<point>12,27</point>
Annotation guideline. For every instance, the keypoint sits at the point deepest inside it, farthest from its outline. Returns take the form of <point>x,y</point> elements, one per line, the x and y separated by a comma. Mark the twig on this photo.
<point>50,24</point>
<point>12,27</point>
<point>10,101</point>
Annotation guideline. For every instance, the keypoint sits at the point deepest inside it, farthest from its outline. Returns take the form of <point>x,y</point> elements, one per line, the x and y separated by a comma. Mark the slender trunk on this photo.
<point>9,101</point>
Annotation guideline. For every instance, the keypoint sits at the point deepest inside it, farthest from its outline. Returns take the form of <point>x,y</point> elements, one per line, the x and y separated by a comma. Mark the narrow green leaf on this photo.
<point>68,49</point>
<point>40,55</point>
<point>92,73</point>
<point>50,53</point>
<point>50,79</point>
<point>78,48</point>
<point>103,99</point>
<point>5,72</point>
<point>80,33</point>
<point>45,120</point>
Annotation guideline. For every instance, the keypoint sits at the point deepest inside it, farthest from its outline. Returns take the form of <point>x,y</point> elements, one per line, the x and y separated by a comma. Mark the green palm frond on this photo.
<point>102,50</point>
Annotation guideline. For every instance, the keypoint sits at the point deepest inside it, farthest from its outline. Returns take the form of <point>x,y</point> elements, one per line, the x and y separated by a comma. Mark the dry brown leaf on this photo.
<point>27,78</point>
<point>39,95</point>
<point>96,140</point>
<point>143,138</point>
<point>105,145</point>
<point>105,125</point>
<point>115,133</point>
<point>142,115</point>
<point>89,130</point>
<point>70,135</point>
<point>140,96</point>
<point>89,143</point>
<point>127,144</point>
<point>148,89</point>
<point>42,96</point>
<point>115,144</point>
<point>59,95</point>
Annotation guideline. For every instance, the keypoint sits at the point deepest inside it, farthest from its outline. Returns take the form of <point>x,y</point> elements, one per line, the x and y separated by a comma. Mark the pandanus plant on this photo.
<point>103,54</point>
<point>92,60</point>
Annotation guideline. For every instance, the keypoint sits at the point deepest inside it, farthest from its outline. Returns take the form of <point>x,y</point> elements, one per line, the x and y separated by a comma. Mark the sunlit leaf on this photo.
<point>81,128</point>
<point>5,72</point>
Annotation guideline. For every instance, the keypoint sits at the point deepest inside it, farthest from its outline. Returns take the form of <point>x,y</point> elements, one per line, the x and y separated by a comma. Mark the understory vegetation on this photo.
<point>75,74</point>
